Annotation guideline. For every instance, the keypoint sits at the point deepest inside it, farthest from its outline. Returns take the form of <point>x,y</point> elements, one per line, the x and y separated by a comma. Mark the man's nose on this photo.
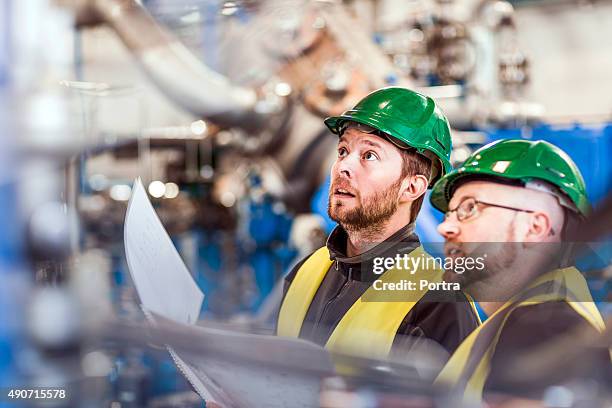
<point>449,228</point>
<point>345,166</point>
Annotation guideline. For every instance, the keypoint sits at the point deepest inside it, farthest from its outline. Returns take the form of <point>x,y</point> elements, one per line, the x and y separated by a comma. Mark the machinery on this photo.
<point>218,106</point>
<point>259,148</point>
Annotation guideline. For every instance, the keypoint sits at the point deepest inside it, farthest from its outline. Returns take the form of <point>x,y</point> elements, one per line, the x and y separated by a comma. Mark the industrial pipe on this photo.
<point>179,74</point>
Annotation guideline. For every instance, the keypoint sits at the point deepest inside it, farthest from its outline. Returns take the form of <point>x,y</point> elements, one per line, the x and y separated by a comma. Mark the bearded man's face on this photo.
<point>490,234</point>
<point>365,181</point>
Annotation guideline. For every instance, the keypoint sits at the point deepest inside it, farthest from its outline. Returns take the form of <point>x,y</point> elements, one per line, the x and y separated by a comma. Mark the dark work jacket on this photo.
<point>531,329</point>
<point>445,318</point>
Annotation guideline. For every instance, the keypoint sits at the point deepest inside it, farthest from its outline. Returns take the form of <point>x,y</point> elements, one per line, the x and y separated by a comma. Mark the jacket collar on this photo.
<point>403,241</point>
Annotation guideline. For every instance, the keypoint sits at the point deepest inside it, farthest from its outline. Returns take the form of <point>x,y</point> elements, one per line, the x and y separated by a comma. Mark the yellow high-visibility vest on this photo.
<point>468,368</point>
<point>369,327</point>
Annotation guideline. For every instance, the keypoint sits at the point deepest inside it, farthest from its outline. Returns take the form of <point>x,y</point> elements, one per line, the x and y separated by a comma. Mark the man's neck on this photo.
<point>361,241</point>
<point>490,307</point>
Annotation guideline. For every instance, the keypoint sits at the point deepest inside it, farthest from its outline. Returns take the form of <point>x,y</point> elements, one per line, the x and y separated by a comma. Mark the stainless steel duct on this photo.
<point>179,74</point>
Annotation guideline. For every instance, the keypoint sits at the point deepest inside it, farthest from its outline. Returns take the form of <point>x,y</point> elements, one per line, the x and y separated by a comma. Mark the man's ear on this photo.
<point>413,187</point>
<point>540,228</point>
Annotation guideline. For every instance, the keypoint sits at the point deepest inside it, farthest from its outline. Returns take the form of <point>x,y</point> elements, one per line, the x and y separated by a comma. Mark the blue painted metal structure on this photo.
<point>590,146</point>
<point>259,254</point>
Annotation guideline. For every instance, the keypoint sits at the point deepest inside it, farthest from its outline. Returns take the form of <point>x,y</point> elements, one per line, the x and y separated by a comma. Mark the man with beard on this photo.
<point>510,204</point>
<point>392,145</point>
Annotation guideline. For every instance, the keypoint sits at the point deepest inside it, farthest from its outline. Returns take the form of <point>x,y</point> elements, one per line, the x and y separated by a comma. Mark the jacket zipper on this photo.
<point>328,303</point>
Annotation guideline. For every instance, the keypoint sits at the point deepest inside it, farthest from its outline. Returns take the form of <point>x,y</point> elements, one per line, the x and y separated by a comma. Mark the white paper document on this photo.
<point>162,280</point>
<point>236,370</point>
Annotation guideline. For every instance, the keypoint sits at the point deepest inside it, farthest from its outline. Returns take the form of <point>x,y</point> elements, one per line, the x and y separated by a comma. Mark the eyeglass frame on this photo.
<point>476,201</point>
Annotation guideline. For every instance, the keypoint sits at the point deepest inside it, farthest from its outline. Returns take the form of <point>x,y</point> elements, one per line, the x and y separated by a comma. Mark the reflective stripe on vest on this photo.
<point>301,292</point>
<point>468,368</point>
<point>370,325</point>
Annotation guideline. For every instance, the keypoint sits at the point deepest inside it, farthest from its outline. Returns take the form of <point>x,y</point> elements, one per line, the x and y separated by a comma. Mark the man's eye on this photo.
<point>342,152</point>
<point>370,156</point>
<point>469,207</point>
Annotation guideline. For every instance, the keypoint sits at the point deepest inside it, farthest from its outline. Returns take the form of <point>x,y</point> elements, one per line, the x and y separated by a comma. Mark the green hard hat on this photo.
<point>407,116</point>
<point>521,160</point>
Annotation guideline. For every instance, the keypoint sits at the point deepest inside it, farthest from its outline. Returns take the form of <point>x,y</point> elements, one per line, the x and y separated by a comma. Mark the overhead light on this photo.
<point>198,127</point>
<point>98,182</point>
<point>207,172</point>
<point>228,199</point>
<point>282,89</point>
<point>172,190</point>
<point>120,192</point>
<point>416,35</point>
<point>157,189</point>
<point>229,8</point>
<point>96,364</point>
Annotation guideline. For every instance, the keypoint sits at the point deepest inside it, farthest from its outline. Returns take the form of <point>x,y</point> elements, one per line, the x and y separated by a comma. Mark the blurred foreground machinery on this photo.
<point>235,171</point>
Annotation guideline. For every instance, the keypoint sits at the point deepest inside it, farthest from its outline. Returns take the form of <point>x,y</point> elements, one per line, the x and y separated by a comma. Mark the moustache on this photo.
<point>453,249</point>
<point>340,186</point>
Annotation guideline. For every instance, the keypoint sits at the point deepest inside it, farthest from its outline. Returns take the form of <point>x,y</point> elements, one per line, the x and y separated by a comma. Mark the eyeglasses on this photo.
<point>468,208</point>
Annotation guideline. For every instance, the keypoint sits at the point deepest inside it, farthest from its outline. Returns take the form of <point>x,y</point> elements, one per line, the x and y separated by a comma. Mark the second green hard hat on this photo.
<point>405,115</point>
<point>521,160</point>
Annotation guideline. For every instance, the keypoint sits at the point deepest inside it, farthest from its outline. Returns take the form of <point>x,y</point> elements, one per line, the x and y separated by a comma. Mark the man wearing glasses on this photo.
<point>392,146</point>
<point>511,203</point>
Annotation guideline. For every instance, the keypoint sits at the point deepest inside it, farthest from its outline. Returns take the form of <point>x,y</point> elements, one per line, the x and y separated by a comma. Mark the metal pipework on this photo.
<point>179,74</point>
